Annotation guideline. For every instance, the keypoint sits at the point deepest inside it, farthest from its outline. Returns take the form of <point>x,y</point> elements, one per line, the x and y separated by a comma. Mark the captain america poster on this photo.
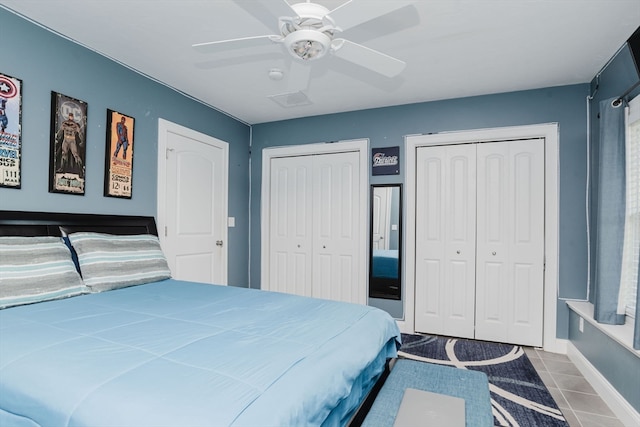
<point>10,131</point>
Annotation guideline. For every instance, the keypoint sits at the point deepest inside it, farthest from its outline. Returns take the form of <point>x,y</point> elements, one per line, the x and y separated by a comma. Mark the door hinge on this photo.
<point>166,153</point>
<point>165,231</point>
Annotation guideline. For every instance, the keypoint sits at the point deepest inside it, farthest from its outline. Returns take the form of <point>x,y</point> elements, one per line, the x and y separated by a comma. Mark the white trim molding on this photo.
<point>548,131</point>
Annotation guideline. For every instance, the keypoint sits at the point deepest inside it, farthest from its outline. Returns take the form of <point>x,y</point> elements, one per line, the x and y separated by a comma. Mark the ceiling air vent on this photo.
<point>291,99</point>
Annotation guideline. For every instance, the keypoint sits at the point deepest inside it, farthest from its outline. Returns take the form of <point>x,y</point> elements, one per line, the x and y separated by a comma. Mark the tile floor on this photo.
<point>578,401</point>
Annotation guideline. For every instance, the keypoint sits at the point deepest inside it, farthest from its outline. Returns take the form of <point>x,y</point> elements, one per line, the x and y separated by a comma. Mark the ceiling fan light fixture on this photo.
<point>307,44</point>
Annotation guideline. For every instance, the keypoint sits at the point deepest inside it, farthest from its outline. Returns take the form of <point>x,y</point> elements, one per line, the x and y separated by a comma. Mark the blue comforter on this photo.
<point>176,353</point>
<point>385,263</point>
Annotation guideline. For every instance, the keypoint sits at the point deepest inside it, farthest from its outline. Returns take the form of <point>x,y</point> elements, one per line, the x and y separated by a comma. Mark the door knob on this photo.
<point>493,253</point>
<point>218,242</point>
<point>458,252</point>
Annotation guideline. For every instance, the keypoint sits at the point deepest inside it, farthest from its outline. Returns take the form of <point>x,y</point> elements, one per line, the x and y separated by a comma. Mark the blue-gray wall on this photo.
<point>45,62</point>
<point>388,126</point>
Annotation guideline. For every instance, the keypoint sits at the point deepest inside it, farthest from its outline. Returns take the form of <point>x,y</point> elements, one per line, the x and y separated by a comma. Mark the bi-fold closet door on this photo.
<point>480,241</point>
<point>315,243</point>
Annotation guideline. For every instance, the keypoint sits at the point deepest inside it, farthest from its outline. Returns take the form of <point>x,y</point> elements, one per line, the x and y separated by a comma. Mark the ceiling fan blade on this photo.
<point>372,59</point>
<point>353,13</point>
<point>231,44</point>
<point>299,76</point>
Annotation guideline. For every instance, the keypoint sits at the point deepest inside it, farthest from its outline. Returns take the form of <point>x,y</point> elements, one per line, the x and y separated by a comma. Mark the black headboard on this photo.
<point>16,223</point>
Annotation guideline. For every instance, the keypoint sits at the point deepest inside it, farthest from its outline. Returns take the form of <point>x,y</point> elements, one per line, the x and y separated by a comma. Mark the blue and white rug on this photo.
<point>519,398</point>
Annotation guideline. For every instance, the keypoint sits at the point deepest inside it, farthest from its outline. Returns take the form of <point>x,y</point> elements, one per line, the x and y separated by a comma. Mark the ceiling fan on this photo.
<point>309,32</point>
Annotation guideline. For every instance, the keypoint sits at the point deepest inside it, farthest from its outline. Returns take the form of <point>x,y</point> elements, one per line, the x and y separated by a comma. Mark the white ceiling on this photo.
<point>453,48</point>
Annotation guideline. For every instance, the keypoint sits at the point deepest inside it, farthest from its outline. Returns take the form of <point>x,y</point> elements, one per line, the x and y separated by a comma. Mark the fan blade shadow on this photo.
<point>352,14</point>
<point>394,22</point>
<point>299,76</point>
<point>267,12</point>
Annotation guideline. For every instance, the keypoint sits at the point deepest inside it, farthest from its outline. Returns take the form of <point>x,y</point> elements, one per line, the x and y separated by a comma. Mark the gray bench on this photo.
<point>472,386</point>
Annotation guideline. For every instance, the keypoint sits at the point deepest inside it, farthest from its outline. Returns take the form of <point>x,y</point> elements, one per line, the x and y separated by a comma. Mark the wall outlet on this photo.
<point>581,325</point>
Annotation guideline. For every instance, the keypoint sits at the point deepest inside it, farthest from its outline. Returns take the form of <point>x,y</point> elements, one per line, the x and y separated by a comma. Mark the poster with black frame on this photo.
<point>67,151</point>
<point>385,161</point>
<point>10,131</point>
<point>118,168</point>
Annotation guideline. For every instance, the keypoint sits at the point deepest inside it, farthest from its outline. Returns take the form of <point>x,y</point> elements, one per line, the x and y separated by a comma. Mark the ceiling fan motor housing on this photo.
<point>306,36</point>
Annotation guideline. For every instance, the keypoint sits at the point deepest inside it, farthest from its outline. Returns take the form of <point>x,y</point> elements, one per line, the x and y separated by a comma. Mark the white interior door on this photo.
<point>445,240</point>
<point>510,250</point>
<point>337,241</point>
<point>314,220</point>
<point>192,203</point>
<point>291,225</point>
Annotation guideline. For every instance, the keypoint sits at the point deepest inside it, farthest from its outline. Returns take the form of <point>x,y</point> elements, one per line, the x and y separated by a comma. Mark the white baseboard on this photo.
<point>623,410</point>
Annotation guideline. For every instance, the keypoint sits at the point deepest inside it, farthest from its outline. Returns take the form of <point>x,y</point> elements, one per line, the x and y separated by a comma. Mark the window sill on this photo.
<point>622,334</point>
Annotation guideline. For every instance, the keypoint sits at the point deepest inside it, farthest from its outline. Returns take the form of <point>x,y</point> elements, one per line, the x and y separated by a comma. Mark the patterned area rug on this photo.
<point>518,395</point>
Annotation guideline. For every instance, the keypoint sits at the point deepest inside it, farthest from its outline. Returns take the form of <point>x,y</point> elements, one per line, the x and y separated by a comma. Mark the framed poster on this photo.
<point>385,161</point>
<point>118,168</point>
<point>68,149</point>
<point>10,131</point>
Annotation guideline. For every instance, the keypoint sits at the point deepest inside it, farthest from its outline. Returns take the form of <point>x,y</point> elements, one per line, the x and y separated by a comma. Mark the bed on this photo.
<point>384,281</point>
<point>170,352</point>
<point>385,263</point>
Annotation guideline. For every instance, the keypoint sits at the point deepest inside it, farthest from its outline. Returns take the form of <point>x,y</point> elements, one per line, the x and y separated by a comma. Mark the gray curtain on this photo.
<point>611,213</point>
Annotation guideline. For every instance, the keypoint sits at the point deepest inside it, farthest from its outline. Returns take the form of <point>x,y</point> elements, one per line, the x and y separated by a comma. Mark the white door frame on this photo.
<point>358,145</point>
<point>547,131</point>
<point>166,127</point>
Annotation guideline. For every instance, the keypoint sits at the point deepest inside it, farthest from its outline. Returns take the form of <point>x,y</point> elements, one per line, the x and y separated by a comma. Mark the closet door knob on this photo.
<point>458,252</point>
<point>493,253</point>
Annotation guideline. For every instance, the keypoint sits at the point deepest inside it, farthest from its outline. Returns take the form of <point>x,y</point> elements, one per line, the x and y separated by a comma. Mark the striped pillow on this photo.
<point>110,262</point>
<point>34,269</point>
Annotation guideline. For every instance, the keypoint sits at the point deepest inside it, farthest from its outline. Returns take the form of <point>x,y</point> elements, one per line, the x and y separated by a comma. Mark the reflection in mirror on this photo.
<point>386,232</point>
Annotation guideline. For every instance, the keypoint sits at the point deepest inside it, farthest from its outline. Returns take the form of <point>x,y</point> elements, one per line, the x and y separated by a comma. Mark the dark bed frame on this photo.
<point>17,223</point>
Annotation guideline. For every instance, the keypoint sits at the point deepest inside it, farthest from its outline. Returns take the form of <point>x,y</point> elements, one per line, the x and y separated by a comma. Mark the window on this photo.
<point>631,248</point>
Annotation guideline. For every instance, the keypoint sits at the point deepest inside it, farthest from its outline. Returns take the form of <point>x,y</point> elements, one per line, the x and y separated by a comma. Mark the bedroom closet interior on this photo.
<point>312,221</point>
<point>479,248</point>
